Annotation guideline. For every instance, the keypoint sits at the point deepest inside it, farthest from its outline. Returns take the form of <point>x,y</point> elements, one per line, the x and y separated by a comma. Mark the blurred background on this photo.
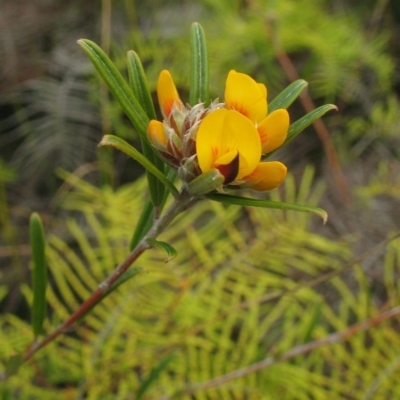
<point>54,110</point>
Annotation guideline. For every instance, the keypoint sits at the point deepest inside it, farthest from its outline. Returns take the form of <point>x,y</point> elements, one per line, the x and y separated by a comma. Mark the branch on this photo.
<point>294,352</point>
<point>183,202</point>
<point>280,293</point>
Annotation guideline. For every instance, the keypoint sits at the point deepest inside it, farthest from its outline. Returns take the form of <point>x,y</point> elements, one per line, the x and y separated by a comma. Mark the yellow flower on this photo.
<point>156,134</point>
<point>167,94</point>
<point>228,137</point>
<point>229,142</point>
<point>167,136</point>
<point>249,98</point>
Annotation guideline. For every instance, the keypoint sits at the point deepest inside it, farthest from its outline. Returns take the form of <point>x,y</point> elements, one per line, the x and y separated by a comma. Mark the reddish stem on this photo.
<point>183,202</point>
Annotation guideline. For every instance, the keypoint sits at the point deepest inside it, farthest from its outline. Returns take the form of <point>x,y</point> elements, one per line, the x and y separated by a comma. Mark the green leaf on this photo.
<point>315,319</point>
<point>245,201</point>
<point>122,145</point>
<point>165,247</point>
<point>307,120</point>
<point>138,83</point>
<point>287,96</point>
<point>13,365</point>
<point>143,225</point>
<point>117,85</point>
<point>6,173</point>
<point>155,372</point>
<point>39,273</point>
<point>199,66</point>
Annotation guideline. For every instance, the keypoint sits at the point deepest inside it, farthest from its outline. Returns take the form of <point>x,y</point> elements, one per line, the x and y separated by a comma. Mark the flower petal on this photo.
<point>245,95</point>
<point>156,134</point>
<point>209,138</point>
<point>263,89</point>
<point>226,158</point>
<point>167,93</point>
<point>221,134</point>
<point>229,169</point>
<point>273,130</point>
<point>267,176</point>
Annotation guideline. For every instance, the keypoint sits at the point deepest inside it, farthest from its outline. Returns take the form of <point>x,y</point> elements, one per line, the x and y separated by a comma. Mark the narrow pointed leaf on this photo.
<point>307,120</point>
<point>165,247</point>
<point>39,273</point>
<point>117,85</point>
<point>288,95</point>
<point>13,365</point>
<point>143,225</point>
<point>245,201</point>
<point>154,373</point>
<point>125,147</point>
<point>199,66</point>
<point>138,84</point>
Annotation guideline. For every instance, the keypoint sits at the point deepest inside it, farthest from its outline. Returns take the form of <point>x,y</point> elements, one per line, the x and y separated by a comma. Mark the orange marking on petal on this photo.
<point>167,107</point>
<point>276,127</point>
<point>263,134</point>
<point>239,108</point>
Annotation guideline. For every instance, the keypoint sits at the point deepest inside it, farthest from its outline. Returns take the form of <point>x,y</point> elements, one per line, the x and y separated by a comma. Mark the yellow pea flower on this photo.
<point>166,136</point>
<point>226,137</point>
<point>229,142</point>
<point>167,94</point>
<point>245,95</point>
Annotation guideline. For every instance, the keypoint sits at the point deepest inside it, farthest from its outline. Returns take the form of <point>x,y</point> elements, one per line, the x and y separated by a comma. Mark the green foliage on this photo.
<point>199,87</point>
<point>335,43</point>
<point>210,306</point>
<point>206,307</point>
<point>122,145</point>
<point>39,272</point>
<point>386,181</point>
<point>48,111</point>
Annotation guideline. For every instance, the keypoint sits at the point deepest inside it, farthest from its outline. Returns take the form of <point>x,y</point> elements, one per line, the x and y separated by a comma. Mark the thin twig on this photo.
<point>294,352</point>
<point>184,202</point>
<point>280,293</point>
<point>90,302</point>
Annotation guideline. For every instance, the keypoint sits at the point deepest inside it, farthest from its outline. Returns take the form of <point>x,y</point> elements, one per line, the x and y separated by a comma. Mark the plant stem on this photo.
<point>181,203</point>
<point>302,349</point>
